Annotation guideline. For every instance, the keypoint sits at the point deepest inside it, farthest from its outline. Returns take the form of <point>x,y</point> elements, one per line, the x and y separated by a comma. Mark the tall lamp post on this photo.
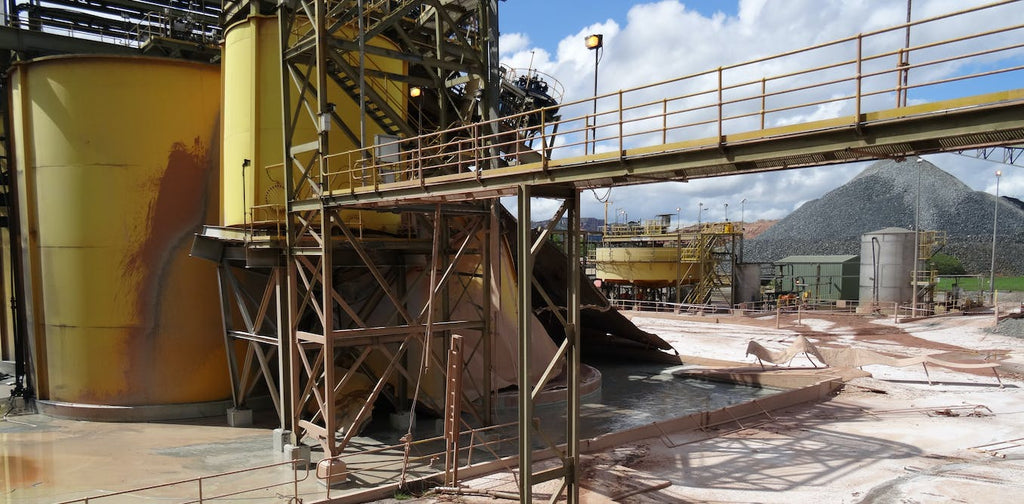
<point>726,205</point>
<point>594,42</point>
<point>995,222</point>
<point>917,239</point>
<point>700,210</point>
<point>743,207</point>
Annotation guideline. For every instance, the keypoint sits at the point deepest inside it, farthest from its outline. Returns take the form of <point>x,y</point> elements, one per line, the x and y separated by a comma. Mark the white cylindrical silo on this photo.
<point>886,267</point>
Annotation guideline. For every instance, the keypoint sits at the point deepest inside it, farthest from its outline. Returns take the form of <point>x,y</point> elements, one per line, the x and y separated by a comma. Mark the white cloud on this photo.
<point>511,43</point>
<point>664,40</point>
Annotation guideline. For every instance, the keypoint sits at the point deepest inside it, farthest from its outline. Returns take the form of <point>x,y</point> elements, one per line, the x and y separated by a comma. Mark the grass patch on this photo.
<point>976,284</point>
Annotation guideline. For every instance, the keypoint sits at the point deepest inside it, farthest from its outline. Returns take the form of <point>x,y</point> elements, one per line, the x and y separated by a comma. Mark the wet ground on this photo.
<point>48,459</point>
<point>889,438</point>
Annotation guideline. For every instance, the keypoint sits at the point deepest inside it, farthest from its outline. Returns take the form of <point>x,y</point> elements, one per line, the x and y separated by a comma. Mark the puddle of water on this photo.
<point>633,395</point>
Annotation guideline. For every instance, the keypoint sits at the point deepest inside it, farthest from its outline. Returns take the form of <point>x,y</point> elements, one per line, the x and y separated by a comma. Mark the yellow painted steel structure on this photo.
<point>253,192</point>
<point>648,266</point>
<point>116,168</point>
<point>6,286</point>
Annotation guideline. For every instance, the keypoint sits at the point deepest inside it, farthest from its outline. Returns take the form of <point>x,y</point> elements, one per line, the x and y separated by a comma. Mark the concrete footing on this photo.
<point>281,437</point>
<point>17,403</point>
<point>331,472</point>
<point>239,417</point>
<point>297,452</point>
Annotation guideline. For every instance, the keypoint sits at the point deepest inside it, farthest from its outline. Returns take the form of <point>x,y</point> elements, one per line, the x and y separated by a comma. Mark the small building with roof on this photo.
<point>821,277</point>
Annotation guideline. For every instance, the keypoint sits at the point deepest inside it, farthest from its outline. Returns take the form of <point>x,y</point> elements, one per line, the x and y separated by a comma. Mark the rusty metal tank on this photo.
<point>116,161</point>
<point>252,171</point>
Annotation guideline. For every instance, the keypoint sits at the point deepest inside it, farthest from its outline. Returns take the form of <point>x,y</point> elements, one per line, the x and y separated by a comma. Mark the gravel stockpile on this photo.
<point>1009,327</point>
<point>882,196</point>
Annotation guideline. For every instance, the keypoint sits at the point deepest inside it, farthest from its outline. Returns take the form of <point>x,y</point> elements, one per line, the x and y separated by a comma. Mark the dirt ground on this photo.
<point>890,438</point>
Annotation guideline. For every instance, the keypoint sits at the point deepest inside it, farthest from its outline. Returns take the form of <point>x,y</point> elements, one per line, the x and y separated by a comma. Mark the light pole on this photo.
<point>700,210</point>
<point>594,42</point>
<point>995,222</point>
<point>679,225</point>
<point>917,238</point>
<point>743,207</point>
<point>726,205</point>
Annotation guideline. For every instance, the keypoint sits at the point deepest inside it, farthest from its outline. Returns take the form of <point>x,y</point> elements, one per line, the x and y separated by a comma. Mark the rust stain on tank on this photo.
<point>177,211</point>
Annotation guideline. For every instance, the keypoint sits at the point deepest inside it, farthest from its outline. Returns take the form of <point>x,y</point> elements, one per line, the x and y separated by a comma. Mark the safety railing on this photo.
<point>421,458</point>
<point>214,488</point>
<point>66,29</point>
<point>520,76</point>
<point>176,26</point>
<point>144,27</point>
<point>748,308</point>
<point>872,71</point>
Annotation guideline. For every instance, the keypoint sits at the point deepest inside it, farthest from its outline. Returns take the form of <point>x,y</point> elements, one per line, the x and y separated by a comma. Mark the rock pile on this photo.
<point>884,195</point>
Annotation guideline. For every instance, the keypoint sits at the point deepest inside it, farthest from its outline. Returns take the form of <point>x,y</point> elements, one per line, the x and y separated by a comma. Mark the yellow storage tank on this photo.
<point>252,122</point>
<point>116,164</point>
<point>648,266</point>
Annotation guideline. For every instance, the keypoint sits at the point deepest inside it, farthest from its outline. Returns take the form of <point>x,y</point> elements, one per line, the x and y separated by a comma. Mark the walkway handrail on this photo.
<point>199,495</point>
<point>863,70</point>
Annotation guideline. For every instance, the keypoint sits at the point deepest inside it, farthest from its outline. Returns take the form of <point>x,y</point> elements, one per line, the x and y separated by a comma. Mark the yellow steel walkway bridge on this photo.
<point>723,121</point>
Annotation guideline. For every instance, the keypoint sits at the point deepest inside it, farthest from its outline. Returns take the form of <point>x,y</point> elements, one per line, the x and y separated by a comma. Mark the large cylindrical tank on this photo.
<point>116,163</point>
<point>645,266</point>
<point>886,267</point>
<point>253,190</point>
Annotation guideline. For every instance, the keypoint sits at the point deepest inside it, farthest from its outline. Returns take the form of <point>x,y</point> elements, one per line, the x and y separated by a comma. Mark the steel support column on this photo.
<point>525,313</point>
<point>285,348</point>
<point>572,338</point>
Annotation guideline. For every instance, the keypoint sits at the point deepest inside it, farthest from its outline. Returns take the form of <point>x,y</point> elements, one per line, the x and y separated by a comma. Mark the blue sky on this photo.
<point>546,21</point>
<point>698,36</point>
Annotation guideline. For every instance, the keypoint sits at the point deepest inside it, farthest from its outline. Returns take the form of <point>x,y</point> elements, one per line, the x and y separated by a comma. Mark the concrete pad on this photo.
<point>239,417</point>
<point>281,438</point>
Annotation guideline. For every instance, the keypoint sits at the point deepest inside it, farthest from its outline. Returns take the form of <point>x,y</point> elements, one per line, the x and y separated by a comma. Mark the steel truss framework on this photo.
<point>451,48</point>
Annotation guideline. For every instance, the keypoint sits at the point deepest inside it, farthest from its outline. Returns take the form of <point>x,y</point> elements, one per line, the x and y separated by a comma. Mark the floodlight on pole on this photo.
<point>594,43</point>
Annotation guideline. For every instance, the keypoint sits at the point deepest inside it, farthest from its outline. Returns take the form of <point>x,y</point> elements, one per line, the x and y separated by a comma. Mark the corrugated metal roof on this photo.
<point>817,259</point>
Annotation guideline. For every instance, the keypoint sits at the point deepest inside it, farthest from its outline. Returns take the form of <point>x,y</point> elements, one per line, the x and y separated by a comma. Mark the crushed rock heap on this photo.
<point>884,195</point>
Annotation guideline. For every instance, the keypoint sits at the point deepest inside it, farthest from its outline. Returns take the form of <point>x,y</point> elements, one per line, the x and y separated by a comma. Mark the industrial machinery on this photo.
<point>649,262</point>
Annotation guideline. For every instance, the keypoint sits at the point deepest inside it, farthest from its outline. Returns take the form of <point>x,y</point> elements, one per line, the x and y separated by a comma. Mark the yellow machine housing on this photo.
<point>116,169</point>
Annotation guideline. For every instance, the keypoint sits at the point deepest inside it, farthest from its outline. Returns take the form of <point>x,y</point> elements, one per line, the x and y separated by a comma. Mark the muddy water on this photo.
<point>634,395</point>
<point>638,394</point>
